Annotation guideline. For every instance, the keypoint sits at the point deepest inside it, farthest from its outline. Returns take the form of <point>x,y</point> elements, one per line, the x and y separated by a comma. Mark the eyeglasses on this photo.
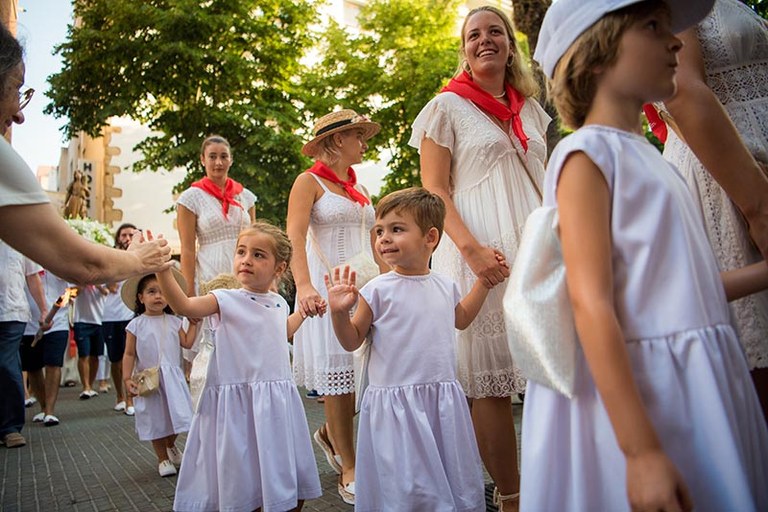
<point>25,97</point>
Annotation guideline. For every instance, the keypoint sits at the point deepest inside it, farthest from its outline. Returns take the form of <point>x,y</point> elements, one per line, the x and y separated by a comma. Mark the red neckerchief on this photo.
<point>227,197</point>
<point>464,86</point>
<point>322,170</point>
<point>655,122</point>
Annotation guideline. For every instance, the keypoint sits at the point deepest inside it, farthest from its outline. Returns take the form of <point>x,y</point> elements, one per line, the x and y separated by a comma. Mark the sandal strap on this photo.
<point>498,497</point>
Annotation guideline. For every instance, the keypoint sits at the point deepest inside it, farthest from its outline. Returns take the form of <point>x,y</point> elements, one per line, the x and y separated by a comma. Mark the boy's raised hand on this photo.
<point>342,292</point>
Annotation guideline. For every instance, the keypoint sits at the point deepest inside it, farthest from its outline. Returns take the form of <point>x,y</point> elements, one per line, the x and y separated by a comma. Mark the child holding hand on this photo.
<point>416,447</point>
<point>664,415</point>
<point>249,446</point>
<point>154,339</point>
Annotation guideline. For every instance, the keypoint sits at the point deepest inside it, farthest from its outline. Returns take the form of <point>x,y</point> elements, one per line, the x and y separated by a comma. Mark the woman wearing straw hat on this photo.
<point>329,220</point>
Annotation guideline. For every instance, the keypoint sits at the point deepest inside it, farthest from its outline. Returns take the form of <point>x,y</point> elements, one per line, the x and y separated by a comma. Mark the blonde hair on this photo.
<point>517,73</point>
<point>327,151</point>
<point>282,249</point>
<point>426,208</point>
<point>574,83</point>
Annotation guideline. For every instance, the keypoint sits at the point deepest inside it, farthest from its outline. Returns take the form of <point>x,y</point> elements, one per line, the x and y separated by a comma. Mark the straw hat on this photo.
<point>338,121</point>
<point>130,287</point>
<point>220,282</point>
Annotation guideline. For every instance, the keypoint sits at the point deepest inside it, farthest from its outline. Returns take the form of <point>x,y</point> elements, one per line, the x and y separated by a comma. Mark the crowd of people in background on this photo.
<point>399,311</point>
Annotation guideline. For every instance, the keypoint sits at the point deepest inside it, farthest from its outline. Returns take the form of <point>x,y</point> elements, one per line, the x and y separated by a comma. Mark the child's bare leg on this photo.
<point>339,413</point>
<point>299,506</point>
<point>170,441</point>
<point>160,445</point>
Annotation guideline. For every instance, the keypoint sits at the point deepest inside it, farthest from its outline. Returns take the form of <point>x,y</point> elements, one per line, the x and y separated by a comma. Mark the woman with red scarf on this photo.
<point>329,220</point>
<point>210,215</point>
<point>483,149</point>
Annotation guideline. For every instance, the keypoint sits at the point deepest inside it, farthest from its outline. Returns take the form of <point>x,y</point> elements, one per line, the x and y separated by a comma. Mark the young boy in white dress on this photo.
<point>416,447</point>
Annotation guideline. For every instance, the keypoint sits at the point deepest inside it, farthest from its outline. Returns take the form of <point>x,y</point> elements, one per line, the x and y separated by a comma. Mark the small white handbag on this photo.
<point>537,309</point>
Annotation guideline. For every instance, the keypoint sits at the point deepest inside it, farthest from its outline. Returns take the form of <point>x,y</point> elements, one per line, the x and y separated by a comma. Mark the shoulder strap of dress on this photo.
<point>319,181</point>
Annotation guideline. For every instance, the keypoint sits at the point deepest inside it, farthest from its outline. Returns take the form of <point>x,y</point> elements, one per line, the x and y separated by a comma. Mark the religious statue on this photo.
<point>76,202</point>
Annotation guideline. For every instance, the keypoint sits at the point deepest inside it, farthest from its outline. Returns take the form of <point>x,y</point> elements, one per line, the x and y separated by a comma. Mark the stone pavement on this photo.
<point>93,461</point>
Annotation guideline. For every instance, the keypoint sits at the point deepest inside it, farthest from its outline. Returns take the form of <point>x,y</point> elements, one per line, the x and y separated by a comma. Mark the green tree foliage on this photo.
<point>405,51</point>
<point>189,68</point>
<point>759,6</point>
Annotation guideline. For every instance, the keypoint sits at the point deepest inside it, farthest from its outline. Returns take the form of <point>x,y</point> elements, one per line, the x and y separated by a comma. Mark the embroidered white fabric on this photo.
<point>734,44</point>
<point>494,196</point>
<point>319,360</point>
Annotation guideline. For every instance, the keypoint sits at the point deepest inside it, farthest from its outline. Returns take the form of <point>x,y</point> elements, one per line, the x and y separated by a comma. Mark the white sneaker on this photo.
<point>38,418</point>
<point>130,411</point>
<point>166,468</point>
<point>174,455</point>
<point>120,406</point>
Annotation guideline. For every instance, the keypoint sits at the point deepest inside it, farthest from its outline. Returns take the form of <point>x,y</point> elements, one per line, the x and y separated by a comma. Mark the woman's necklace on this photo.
<point>500,95</point>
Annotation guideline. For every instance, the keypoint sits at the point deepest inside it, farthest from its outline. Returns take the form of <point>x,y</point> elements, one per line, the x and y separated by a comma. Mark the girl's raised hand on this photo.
<point>654,484</point>
<point>342,292</point>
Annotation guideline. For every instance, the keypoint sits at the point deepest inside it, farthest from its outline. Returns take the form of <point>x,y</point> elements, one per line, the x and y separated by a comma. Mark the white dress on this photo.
<point>169,410</point>
<point>416,448</point>
<point>249,444</point>
<point>685,356</point>
<point>216,235</point>
<point>493,196</point>
<point>319,360</point>
<point>734,44</point>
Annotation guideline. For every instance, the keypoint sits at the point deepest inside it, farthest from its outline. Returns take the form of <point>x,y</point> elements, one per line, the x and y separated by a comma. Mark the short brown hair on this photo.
<point>427,209</point>
<point>574,82</point>
<point>517,73</point>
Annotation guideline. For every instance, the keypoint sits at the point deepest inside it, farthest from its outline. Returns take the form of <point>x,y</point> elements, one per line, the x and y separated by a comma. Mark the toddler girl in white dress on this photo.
<point>154,338</point>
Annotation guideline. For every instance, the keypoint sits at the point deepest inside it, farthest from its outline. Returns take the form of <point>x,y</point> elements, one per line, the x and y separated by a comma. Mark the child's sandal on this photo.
<point>499,499</point>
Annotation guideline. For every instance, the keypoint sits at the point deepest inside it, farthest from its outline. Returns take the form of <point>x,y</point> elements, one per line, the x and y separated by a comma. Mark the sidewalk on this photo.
<point>93,461</point>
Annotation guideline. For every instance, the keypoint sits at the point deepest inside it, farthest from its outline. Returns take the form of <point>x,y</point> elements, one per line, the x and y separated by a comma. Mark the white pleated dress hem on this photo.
<point>416,451</point>
<point>166,412</point>
<point>698,394</point>
<point>272,464</point>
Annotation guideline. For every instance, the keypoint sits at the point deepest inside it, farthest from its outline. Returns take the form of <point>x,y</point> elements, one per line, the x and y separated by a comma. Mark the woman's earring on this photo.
<point>511,61</point>
<point>465,66</point>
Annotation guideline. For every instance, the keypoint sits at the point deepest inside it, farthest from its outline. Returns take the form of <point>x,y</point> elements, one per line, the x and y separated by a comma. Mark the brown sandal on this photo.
<point>321,438</point>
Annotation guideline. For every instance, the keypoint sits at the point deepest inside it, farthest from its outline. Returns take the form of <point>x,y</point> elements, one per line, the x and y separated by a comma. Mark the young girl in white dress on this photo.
<point>664,416</point>
<point>416,448</point>
<point>249,446</point>
<point>154,338</point>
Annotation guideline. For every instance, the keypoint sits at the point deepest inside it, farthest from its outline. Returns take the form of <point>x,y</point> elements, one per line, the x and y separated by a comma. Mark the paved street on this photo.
<point>93,461</point>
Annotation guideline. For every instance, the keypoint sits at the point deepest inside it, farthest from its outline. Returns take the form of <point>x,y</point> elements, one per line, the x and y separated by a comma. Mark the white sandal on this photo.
<point>499,499</point>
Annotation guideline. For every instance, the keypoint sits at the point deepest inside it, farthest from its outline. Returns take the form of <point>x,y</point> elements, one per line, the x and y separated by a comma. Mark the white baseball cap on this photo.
<point>566,20</point>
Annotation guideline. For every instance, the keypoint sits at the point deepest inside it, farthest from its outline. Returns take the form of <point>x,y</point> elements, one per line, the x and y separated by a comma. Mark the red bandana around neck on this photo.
<point>464,86</point>
<point>655,122</point>
<point>227,196</point>
<point>322,170</point>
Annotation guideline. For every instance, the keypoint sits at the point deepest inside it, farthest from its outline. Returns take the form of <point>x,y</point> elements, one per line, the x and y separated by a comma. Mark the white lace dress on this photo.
<point>734,44</point>
<point>216,235</point>
<point>319,360</point>
<point>493,195</point>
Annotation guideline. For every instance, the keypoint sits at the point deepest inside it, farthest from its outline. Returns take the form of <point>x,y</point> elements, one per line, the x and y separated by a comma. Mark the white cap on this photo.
<point>566,20</point>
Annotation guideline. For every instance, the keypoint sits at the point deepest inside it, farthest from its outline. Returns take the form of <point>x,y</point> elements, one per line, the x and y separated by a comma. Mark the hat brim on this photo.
<point>369,130</point>
<point>130,287</point>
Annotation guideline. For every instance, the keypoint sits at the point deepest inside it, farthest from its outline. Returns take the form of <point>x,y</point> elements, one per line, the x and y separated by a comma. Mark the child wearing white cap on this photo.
<point>664,415</point>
